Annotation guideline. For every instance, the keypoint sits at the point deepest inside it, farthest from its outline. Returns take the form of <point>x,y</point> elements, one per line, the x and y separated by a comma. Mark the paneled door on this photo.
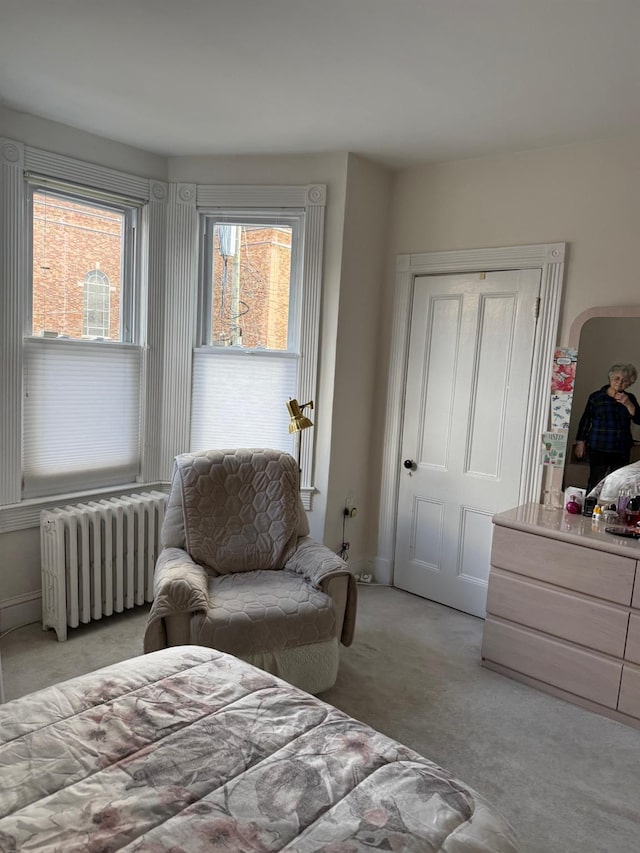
<point>470,355</point>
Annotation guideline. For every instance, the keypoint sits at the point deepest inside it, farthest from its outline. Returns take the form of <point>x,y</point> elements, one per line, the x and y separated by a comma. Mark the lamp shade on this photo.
<point>299,421</point>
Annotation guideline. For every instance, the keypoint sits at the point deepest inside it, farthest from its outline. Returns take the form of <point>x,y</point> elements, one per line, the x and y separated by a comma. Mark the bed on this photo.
<point>191,749</point>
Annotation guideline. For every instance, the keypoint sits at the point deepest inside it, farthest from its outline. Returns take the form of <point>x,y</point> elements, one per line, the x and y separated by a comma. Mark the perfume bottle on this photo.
<point>631,512</point>
<point>589,506</point>
<point>624,495</point>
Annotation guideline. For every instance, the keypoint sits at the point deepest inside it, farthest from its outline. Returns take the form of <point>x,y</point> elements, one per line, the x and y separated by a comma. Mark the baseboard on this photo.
<point>383,571</point>
<point>365,571</point>
<point>358,567</point>
<point>20,610</point>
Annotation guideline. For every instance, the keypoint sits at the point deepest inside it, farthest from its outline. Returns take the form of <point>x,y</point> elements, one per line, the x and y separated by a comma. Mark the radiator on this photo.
<point>98,558</point>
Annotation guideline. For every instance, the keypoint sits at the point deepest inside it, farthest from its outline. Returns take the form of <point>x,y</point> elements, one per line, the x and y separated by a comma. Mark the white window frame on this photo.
<point>92,278</point>
<point>208,220</point>
<point>130,286</point>
<point>168,254</point>
<point>17,162</point>
<point>211,360</point>
<point>38,481</point>
<point>307,203</point>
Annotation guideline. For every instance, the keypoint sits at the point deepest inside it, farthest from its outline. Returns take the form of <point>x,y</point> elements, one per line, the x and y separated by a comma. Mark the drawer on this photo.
<point>632,651</point>
<point>591,623</point>
<point>607,576</point>
<point>630,691</point>
<point>553,662</point>
<point>636,592</point>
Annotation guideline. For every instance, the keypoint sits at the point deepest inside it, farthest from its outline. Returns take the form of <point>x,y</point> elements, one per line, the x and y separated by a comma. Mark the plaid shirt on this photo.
<point>606,424</point>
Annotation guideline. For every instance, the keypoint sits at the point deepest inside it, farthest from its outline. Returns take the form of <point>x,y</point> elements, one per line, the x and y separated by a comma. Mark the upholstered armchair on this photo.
<point>239,572</point>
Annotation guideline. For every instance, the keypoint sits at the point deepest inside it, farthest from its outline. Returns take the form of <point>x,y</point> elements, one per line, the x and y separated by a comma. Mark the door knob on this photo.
<point>409,464</point>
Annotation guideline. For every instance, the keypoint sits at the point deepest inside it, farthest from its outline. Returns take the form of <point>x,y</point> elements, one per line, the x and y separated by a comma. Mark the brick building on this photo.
<point>77,276</point>
<point>77,268</point>
<point>251,296</point>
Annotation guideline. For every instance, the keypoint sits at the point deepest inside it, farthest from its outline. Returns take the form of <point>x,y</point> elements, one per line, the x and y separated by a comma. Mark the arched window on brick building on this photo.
<point>95,305</point>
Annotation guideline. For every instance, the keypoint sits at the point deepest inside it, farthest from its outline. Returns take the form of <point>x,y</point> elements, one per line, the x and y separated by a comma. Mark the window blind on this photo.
<point>81,415</point>
<point>239,399</point>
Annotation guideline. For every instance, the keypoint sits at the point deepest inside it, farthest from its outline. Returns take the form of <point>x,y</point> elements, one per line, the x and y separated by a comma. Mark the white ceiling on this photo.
<point>399,81</point>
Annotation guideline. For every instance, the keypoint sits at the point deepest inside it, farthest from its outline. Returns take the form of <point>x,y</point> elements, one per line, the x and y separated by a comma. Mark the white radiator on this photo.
<point>98,558</point>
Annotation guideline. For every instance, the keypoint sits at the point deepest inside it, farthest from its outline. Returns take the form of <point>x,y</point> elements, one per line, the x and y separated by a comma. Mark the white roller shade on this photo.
<point>239,399</point>
<point>81,415</point>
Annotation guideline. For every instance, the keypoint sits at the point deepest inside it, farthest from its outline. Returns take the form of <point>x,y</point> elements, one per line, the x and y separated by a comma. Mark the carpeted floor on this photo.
<point>567,779</point>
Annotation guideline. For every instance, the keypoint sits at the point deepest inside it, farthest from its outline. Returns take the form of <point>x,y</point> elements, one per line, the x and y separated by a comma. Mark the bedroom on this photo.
<point>581,188</point>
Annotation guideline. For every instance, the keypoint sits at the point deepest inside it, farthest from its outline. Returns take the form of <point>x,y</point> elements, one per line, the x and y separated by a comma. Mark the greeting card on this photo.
<point>564,370</point>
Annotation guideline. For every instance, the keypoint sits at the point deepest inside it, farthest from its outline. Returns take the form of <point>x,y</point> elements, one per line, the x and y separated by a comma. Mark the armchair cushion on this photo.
<point>264,611</point>
<point>240,511</point>
<point>258,610</point>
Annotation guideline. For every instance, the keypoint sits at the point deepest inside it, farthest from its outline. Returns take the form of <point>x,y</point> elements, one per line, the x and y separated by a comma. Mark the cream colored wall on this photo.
<point>20,564</point>
<point>585,195</point>
<point>352,470</point>
<point>62,139</point>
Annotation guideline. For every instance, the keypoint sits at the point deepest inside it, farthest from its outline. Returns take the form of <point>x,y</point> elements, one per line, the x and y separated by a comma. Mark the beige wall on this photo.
<point>585,195</point>
<point>352,471</point>
<point>69,142</point>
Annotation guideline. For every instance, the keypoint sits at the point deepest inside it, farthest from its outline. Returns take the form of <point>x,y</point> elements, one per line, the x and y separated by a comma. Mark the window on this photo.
<point>98,396</point>
<point>247,365</point>
<point>70,235</point>
<point>248,283</point>
<point>82,359</point>
<point>96,309</point>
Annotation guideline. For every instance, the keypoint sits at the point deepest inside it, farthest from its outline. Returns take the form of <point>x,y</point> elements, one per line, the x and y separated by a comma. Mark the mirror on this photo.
<point>602,336</point>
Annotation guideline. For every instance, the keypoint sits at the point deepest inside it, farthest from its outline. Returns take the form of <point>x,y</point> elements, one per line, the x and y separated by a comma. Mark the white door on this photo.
<point>470,355</point>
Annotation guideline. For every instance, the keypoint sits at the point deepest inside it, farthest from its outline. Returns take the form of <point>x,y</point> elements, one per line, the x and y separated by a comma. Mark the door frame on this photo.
<point>549,258</point>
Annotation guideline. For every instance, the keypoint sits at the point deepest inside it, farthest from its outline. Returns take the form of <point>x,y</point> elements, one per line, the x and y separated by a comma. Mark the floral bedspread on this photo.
<point>190,749</point>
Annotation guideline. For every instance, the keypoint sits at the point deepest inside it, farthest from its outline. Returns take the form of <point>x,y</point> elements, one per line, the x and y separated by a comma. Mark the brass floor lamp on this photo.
<point>299,421</point>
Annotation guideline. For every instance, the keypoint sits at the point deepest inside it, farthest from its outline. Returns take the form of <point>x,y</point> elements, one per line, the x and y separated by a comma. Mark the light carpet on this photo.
<point>568,780</point>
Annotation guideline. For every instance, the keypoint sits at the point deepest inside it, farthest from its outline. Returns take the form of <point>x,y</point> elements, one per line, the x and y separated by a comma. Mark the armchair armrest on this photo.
<point>320,566</point>
<point>180,586</point>
<point>314,561</point>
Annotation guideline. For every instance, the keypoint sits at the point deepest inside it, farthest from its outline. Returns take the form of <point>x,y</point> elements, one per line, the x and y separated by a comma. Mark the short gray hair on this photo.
<point>627,370</point>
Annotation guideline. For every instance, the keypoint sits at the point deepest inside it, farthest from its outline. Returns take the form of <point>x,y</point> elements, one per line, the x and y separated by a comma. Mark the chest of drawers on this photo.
<point>563,609</point>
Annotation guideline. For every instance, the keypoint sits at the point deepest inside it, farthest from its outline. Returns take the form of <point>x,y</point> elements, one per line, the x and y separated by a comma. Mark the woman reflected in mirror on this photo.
<point>604,432</point>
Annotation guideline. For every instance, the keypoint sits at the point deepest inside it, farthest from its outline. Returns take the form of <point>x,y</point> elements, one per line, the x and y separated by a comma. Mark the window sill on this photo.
<point>26,514</point>
<point>307,493</point>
